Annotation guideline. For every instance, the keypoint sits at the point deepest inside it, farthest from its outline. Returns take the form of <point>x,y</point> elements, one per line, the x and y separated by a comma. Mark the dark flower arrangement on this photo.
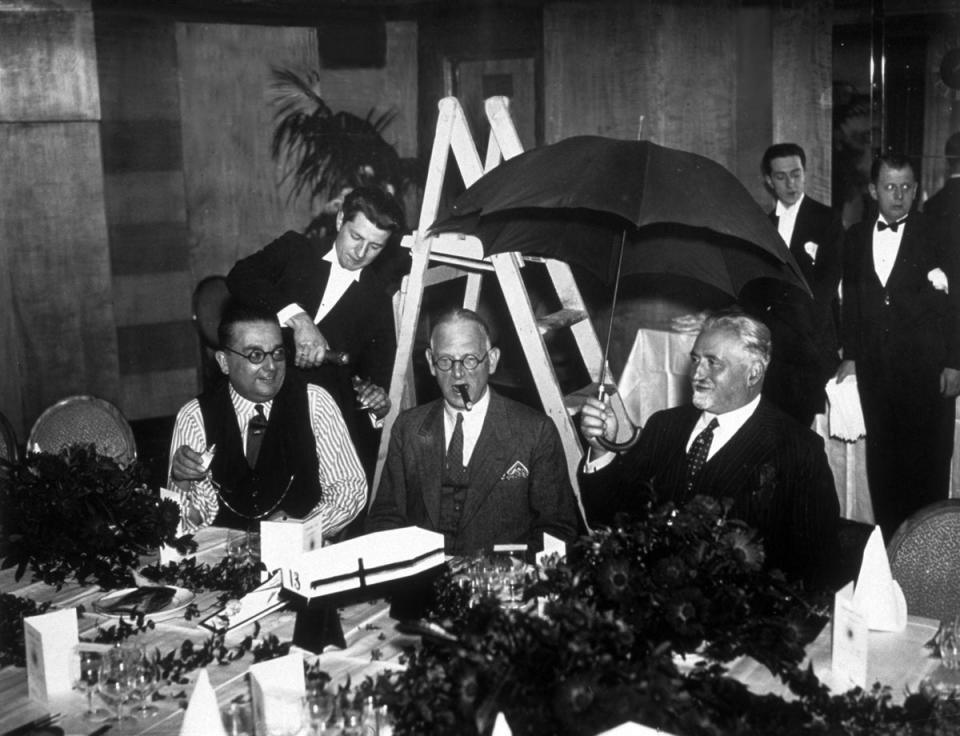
<point>80,514</point>
<point>622,612</point>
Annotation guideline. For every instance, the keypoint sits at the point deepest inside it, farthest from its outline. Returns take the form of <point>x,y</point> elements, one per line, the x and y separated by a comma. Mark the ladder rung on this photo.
<point>561,319</point>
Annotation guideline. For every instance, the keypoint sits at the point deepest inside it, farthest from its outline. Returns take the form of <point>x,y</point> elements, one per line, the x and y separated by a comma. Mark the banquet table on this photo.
<point>655,377</point>
<point>373,646</point>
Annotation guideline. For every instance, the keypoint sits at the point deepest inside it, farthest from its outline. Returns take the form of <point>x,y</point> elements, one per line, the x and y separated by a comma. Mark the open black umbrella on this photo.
<point>619,208</point>
<point>577,200</point>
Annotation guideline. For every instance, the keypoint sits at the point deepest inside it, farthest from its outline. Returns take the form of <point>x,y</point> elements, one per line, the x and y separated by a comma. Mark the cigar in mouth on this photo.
<point>465,395</point>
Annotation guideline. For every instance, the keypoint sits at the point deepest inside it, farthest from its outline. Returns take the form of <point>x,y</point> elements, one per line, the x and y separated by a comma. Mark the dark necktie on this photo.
<point>455,449</point>
<point>697,455</point>
<point>255,431</point>
<point>894,226</point>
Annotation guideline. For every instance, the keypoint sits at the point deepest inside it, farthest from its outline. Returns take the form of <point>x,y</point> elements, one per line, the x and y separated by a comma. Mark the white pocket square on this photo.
<point>811,248</point>
<point>517,470</point>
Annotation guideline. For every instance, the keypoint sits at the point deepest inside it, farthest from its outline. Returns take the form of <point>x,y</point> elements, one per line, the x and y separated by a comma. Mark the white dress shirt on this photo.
<point>728,424</point>
<point>472,424</point>
<point>787,219</point>
<point>886,245</point>
<point>338,282</point>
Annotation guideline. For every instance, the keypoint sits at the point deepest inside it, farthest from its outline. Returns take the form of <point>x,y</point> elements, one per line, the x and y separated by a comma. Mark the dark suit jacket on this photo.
<point>907,323</point>
<point>291,270</point>
<point>942,210</point>
<point>498,509</point>
<point>773,469</point>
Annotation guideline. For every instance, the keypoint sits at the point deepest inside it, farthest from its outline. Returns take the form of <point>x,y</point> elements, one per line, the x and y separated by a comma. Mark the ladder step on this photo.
<point>561,319</point>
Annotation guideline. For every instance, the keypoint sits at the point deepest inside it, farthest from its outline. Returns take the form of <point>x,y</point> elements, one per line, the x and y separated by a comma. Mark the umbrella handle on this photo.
<point>620,446</point>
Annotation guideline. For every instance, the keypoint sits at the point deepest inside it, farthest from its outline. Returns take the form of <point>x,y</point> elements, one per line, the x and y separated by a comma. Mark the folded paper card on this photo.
<point>877,595</point>
<point>202,717</point>
<point>50,641</point>
<point>551,546</point>
<point>284,540</point>
<point>630,728</point>
<point>501,727</point>
<point>278,687</point>
<point>364,561</point>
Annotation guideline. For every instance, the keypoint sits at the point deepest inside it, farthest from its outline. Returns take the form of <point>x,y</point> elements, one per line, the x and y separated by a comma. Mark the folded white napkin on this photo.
<point>203,714</point>
<point>500,727</point>
<point>630,728</point>
<point>877,595</point>
<point>844,412</point>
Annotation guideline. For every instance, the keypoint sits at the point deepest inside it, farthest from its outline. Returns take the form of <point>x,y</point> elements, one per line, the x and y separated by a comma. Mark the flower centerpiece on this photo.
<point>80,514</point>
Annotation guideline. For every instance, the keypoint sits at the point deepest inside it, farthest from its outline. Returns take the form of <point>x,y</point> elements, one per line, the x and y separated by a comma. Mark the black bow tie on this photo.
<point>894,226</point>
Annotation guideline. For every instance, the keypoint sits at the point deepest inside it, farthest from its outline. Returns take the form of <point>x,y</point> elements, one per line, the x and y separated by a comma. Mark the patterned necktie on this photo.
<point>255,431</point>
<point>455,449</point>
<point>697,456</point>
<point>894,226</point>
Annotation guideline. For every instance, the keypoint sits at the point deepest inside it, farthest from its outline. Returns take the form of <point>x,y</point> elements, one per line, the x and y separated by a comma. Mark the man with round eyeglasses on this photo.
<point>473,465</point>
<point>263,443</point>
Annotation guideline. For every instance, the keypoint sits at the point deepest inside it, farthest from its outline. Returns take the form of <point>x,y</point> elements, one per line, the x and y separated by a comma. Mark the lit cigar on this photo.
<point>465,395</point>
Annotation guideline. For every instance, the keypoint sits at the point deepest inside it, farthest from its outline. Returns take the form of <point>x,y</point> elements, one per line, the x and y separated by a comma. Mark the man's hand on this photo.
<point>371,397</point>
<point>311,345</point>
<point>950,382</point>
<point>597,420</point>
<point>846,368</point>
<point>187,465</point>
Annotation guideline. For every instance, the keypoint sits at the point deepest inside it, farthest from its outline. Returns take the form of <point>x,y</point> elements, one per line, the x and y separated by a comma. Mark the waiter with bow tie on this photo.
<point>901,339</point>
<point>731,444</point>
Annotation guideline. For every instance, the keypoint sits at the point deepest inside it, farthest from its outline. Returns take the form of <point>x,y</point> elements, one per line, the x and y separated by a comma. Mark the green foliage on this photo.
<point>13,609</point>
<point>80,514</point>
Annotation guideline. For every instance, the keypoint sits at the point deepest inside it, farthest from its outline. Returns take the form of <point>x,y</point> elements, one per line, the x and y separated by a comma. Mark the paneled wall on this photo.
<point>57,328</point>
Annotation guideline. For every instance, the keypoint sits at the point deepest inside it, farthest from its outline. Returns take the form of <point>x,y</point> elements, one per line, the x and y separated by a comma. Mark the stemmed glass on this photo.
<point>949,643</point>
<point>318,708</point>
<point>89,676</point>
<point>116,680</point>
<point>146,678</point>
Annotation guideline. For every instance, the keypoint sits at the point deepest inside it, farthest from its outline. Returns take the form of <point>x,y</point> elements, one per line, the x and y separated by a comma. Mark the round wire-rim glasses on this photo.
<point>470,362</point>
<point>257,356</point>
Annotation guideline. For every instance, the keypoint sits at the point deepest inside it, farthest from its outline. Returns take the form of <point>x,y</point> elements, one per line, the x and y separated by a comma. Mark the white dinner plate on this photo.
<point>181,599</point>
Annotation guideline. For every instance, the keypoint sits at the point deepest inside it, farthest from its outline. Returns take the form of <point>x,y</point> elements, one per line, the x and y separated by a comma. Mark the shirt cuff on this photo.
<point>291,310</point>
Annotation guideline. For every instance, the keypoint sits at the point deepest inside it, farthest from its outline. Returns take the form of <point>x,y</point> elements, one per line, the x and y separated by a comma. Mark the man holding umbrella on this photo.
<point>731,444</point>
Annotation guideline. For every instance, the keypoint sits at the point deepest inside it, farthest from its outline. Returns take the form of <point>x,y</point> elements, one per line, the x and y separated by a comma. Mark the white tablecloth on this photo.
<point>655,377</point>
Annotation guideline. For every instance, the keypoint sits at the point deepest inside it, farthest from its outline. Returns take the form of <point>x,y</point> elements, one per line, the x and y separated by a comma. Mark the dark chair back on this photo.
<point>209,299</point>
<point>924,558</point>
<point>9,449</point>
<point>84,420</point>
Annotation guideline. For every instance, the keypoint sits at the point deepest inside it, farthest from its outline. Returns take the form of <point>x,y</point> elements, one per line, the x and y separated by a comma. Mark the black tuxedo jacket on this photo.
<point>907,322</point>
<point>291,270</point>
<point>519,486</point>
<point>773,469</point>
<point>942,210</point>
<point>817,223</point>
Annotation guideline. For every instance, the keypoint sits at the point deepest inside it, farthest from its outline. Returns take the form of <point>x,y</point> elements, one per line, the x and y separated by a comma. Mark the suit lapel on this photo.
<point>431,450</point>
<point>905,254</point>
<point>487,463</point>
<point>744,450</point>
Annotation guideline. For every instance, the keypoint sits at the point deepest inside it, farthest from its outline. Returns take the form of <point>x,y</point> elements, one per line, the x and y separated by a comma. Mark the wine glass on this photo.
<point>949,643</point>
<point>116,680</point>
<point>89,676</point>
<point>146,679</point>
<point>318,709</point>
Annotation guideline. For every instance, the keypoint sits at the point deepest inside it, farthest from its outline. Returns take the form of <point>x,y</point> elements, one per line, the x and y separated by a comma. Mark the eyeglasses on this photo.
<point>902,188</point>
<point>257,356</point>
<point>469,362</point>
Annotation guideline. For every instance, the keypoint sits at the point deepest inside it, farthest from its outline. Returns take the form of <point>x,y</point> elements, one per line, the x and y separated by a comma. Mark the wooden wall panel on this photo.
<point>393,87</point>
<point>803,86</point>
<point>53,232</point>
<point>42,75</point>
<point>57,324</point>
<point>234,205</point>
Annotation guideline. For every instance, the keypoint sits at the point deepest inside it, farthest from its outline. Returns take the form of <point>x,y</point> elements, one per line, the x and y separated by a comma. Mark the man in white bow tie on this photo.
<point>901,338</point>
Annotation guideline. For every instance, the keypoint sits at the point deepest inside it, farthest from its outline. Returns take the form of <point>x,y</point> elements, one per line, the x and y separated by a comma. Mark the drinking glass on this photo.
<point>116,680</point>
<point>284,715</point>
<point>949,643</point>
<point>237,719</point>
<point>318,709</point>
<point>146,680</point>
<point>89,677</point>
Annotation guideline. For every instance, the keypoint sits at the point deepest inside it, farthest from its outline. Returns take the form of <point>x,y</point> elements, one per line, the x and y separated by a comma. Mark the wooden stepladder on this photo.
<point>445,256</point>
